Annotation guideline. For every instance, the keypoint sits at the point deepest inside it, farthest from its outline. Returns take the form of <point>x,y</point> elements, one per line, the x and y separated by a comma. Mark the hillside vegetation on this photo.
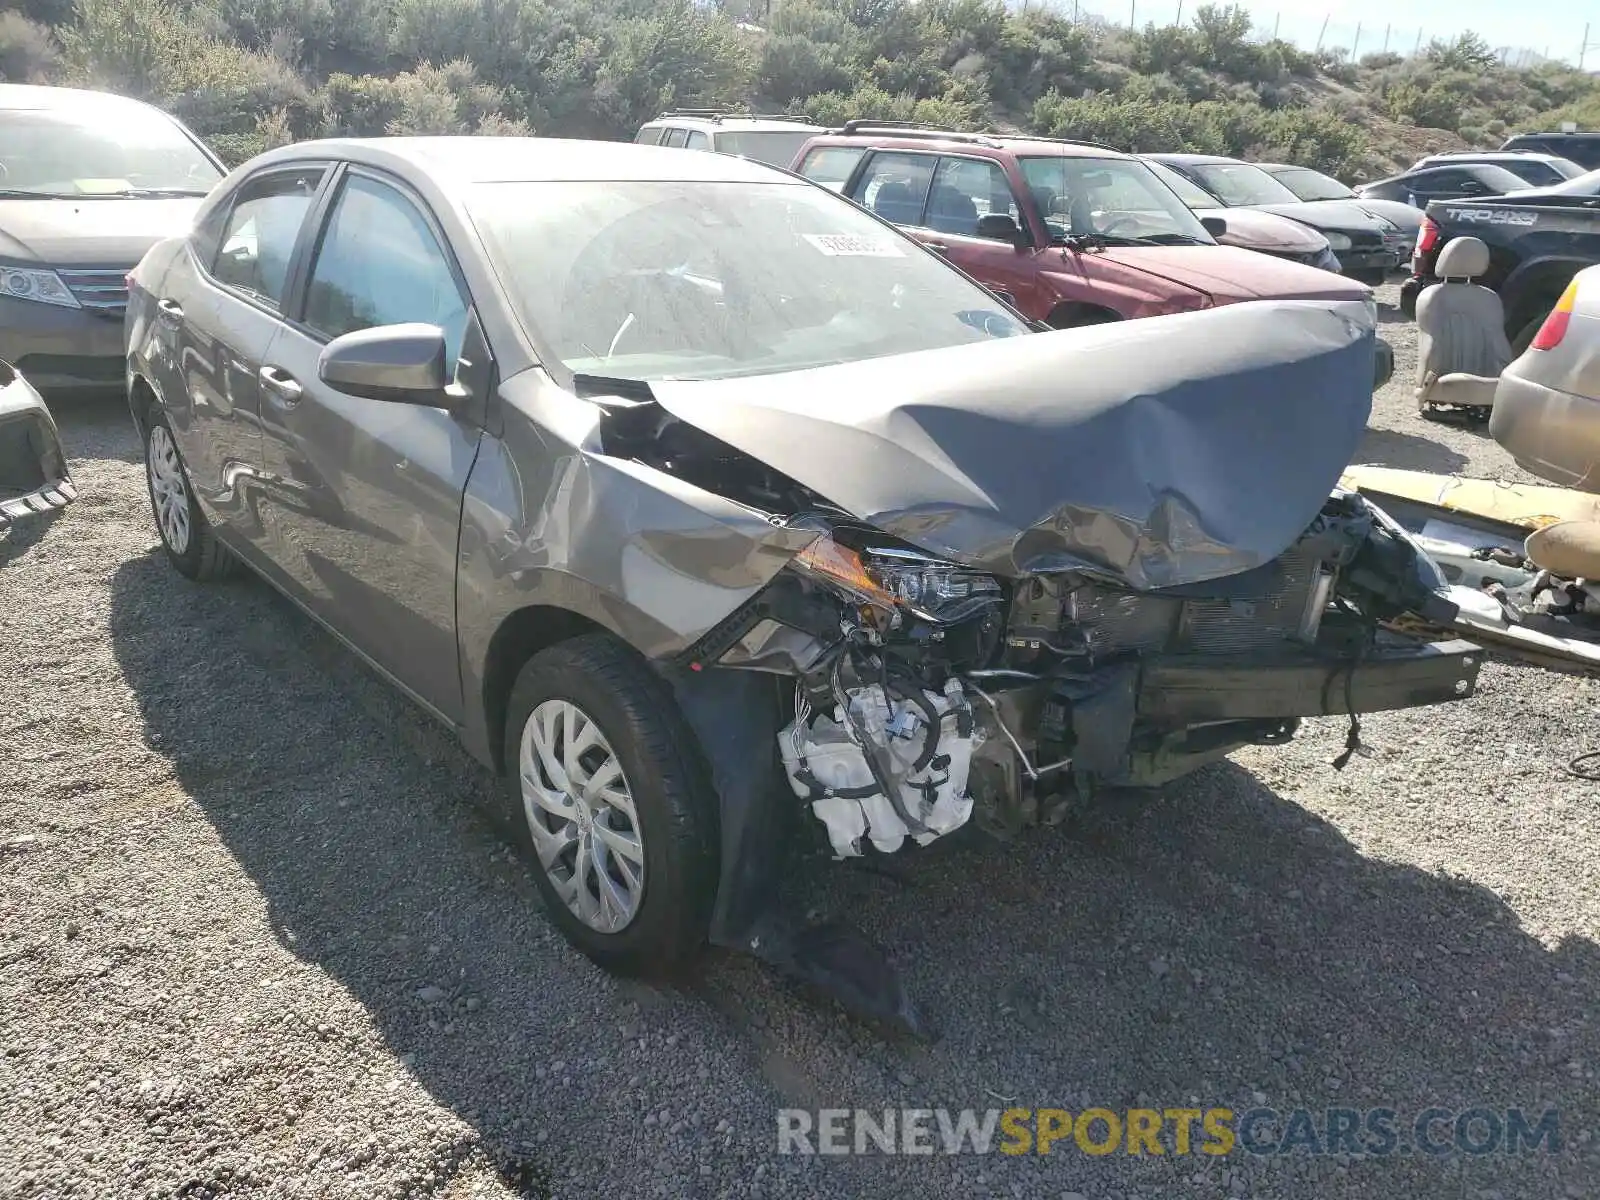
<point>249,74</point>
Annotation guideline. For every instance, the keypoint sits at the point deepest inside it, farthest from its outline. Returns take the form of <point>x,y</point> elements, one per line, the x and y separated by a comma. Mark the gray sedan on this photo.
<point>718,516</point>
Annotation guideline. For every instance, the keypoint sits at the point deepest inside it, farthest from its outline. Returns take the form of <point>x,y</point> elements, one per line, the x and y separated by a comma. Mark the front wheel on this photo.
<point>612,802</point>
<point>186,535</point>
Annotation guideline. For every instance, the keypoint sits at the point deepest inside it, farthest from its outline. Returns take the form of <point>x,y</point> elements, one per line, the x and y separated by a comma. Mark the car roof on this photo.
<point>38,97</point>
<point>1486,156</point>
<point>454,163</point>
<point>945,141</point>
<point>743,121</point>
<point>1196,158</point>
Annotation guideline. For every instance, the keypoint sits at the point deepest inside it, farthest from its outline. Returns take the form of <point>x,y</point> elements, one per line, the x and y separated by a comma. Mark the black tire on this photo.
<point>1078,318</point>
<point>1372,277</point>
<point>203,558</point>
<point>676,807</point>
<point>1524,336</point>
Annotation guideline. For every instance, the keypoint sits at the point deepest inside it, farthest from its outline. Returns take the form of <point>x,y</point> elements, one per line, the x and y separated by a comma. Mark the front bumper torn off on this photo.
<point>34,478</point>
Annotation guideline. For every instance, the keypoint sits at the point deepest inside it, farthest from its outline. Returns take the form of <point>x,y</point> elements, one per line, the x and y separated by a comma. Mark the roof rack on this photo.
<point>720,114</point>
<point>1035,137</point>
<point>919,129</point>
<point>911,129</point>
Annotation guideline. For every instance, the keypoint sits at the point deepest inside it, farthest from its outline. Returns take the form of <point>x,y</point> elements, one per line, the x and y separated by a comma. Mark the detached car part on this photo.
<point>33,467</point>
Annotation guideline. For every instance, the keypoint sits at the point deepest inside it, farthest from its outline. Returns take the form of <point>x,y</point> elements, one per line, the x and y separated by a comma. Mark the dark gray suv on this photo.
<point>714,513</point>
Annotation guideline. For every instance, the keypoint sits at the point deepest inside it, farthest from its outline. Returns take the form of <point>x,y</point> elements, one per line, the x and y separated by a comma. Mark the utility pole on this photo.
<point>1276,21</point>
<point>1417,49</point>
<point>1356,45</point>
<point>1074,12</point>
<point>1177,22</point>
<point>1133,7</point>
<point>1386,39</point>
<point>1321,32</point>
<point>1583,51</point>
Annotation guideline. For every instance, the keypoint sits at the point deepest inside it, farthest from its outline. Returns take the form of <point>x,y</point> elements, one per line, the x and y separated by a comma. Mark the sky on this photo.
<point>1555,26</point>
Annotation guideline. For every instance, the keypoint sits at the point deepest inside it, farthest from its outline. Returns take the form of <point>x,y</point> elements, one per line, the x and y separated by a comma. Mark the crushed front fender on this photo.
<point>34,478</point>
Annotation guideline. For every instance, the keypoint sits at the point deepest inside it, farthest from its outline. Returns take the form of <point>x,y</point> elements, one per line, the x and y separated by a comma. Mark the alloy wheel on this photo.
<point>579,808</point>
<point>168,489</point>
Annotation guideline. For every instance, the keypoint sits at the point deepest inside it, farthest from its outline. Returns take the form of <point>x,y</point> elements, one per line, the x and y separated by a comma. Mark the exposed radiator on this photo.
<point>1112,621</point>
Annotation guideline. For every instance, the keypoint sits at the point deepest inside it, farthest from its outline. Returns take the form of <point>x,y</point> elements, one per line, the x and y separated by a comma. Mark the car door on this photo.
<point>366,500</point>
<point>219,309</point>
<point>965,191</point>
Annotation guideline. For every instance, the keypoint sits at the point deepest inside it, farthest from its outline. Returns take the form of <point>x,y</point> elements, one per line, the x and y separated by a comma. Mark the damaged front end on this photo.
<point>927,694</point>
<point>1030,569</point>
<point>34,479</point>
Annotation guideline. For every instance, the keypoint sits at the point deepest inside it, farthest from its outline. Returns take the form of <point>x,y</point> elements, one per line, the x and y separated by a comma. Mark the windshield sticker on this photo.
<point>1492,216</point>
<point>849,245</point>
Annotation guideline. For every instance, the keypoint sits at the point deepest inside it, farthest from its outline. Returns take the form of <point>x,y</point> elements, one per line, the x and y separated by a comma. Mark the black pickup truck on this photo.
<point>1537,243</point>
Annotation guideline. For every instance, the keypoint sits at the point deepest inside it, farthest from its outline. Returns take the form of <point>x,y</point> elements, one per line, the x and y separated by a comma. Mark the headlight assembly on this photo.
<point>893,578</point>
<point>1337,242</point>
<point>38,284</point>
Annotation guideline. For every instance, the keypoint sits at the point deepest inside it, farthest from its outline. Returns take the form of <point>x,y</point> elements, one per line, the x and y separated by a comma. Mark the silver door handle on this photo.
<point>281,384</point>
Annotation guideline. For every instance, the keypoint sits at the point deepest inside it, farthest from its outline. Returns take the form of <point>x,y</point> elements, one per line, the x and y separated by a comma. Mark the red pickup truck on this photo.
<point>1071,233</point>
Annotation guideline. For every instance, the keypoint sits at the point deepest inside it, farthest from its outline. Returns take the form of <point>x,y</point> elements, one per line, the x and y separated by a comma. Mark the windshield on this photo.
<point>99,150</point>
<point>1498,179</point>
<point>1587,184</point>
<point>1190,192</point>
<point>692,280</point>
<point>1540,172</point>
<point>1241,183</point>
<point>1112,198</point>
<point>776,147</point>
<point>1312,185</point>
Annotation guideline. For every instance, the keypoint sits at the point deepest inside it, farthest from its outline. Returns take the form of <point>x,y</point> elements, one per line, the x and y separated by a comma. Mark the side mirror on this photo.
<point>1215,226</point>
<point>1001,227</point>
<point>400,363</point>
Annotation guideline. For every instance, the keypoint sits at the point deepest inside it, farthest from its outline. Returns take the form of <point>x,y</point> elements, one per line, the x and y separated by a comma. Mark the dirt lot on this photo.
<point>256,937</point>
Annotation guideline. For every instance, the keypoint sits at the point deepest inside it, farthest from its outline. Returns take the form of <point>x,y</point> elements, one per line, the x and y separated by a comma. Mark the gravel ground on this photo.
<point>257,938</point>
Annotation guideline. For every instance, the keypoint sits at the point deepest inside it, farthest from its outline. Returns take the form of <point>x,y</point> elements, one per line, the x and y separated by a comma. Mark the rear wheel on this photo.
<point>612,803</point>
<point>1525,335</point>
<point>186,535</point>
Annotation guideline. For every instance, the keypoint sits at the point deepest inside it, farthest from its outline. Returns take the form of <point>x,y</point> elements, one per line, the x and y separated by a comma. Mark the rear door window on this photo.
<point>895,185</point>
<point>698,140</point>
<point>649,136</point>
<point>675,137</point>
<point>263,227</point>
<point>831,166</point>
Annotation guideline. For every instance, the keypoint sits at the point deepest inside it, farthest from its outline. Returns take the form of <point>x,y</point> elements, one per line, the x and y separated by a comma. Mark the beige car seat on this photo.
<point>1461,337</point>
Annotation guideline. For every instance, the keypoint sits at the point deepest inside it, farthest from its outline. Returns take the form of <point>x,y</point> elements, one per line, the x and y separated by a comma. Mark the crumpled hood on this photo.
<point>104,232</point>
<point>1159,452</point>
<point>1343,215</point>
<point>1251,229</point>
<point>1229,274</point>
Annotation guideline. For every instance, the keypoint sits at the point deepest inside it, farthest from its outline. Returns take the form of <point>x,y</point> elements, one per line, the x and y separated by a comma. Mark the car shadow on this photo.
<point>19,537</point>
<point>1209,943</point>
<point>95,425</point>
<point>1408,451</point>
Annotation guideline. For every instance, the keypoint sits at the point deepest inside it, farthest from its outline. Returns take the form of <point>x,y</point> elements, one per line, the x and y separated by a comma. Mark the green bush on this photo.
<point>252,73</point>
<point>28,53</point>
